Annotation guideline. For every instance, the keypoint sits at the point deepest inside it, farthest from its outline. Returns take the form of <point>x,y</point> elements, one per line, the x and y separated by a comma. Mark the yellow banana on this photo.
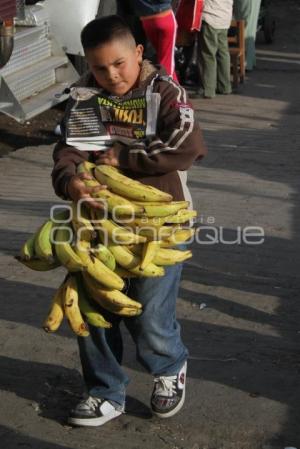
<point>182,204</point>
<point>44,237</point>
<point>126,311</point>
<point>123,273</point>
<point>166,256</point>
<point>165,209</point>
<point>124,257</point>
<point>65,252</point>
<point>141,221</point>
<point>137,249</point>
<point>179,236</point>
<point>124,186</point>
<point>93,317</point>
<point>115,204</point>
<point>149,251</point>
<point>71,307</point>
<point>131,262</point>
<point>27,250</point>
<point>109,299</point>
<point>103,254</point>
<point>182,216</point>
<point>153,232</point>
<point>38,264</point>
<point>81,222</point>
<point>56,312</point>
<point>97,269</point>
<point>118,234</point>
<point>86,167</point>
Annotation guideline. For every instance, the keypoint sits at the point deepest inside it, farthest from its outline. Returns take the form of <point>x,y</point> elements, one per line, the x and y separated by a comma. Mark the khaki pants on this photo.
<point>214,61</point>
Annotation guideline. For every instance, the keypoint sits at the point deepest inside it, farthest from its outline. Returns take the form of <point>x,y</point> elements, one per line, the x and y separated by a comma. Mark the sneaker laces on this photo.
<point>89,403</point>
<point>165,385</point>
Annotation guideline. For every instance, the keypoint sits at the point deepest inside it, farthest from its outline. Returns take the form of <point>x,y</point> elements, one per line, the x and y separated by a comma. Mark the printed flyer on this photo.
<point>94,121</point>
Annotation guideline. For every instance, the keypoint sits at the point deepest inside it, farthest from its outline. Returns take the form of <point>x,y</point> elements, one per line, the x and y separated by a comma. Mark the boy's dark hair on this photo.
<point>105,29</point>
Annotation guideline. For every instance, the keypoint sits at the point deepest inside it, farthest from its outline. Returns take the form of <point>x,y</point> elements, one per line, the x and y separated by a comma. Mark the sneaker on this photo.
<point>94,412</point>
<point>168,394</point>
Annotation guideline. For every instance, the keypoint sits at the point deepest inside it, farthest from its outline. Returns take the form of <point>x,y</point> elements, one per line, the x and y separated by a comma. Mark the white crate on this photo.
<point>27,56</point>
<point>33,85</point>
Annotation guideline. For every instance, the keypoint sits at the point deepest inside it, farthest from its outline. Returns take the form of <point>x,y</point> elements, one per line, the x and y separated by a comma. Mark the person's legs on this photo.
<point>223,64</point>
<point>156,331</point>
<point>158,342</point>
<point>161,31</point>
<point>208,47</point>
<point>101,356</point>
<point>250,34</point>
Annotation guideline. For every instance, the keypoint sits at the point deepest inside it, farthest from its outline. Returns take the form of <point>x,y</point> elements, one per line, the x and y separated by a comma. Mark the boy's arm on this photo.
<point>178,142</point>
<point>69,185</point>
<point>66,159</point>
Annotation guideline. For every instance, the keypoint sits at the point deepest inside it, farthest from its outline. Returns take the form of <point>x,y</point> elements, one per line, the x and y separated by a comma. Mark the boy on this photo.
<point>117,69</point>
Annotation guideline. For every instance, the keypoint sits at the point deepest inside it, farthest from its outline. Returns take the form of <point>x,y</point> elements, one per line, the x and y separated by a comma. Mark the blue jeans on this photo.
<point>155,332</point>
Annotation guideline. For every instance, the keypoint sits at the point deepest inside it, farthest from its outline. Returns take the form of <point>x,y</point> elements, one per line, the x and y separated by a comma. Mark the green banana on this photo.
<point>27,250</point>
<point>44,237</point>
<point>42,242</point>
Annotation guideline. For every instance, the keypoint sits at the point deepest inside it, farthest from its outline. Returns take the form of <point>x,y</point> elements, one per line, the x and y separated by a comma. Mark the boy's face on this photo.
<point>115,65</point>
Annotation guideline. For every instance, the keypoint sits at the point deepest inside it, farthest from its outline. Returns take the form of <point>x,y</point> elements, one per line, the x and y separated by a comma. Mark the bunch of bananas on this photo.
<point>130,235</point>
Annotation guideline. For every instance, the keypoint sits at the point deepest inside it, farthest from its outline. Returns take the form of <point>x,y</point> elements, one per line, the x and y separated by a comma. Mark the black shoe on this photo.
<point>168,394</point>
<point>94,412</point>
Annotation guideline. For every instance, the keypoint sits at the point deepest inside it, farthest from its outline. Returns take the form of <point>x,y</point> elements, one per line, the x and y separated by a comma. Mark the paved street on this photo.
<point>239,300</point>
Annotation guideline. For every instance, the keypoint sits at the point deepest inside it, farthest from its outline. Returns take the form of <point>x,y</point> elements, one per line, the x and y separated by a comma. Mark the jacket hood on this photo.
<point>150,71</point>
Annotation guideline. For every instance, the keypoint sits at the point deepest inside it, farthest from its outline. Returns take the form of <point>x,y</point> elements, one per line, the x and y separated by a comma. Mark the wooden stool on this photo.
<point>236,43</point>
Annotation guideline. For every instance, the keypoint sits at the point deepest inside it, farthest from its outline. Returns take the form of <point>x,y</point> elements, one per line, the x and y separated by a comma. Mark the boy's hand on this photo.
<point>110,157</point>
<point>77,190</point>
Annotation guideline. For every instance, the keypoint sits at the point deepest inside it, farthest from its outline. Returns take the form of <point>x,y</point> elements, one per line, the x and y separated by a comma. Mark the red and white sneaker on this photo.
<point>168,394</point>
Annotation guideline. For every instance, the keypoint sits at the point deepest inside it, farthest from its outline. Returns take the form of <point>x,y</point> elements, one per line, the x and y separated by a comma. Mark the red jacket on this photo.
<point>189,15</point>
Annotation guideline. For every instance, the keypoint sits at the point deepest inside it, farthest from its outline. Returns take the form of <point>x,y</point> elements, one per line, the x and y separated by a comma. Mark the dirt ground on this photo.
<point>238,304</point>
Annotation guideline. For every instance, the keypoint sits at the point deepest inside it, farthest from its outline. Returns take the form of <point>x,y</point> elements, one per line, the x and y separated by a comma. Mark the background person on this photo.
<point>213,47</point>
<point>160,26</point>
<point>249,11</point>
